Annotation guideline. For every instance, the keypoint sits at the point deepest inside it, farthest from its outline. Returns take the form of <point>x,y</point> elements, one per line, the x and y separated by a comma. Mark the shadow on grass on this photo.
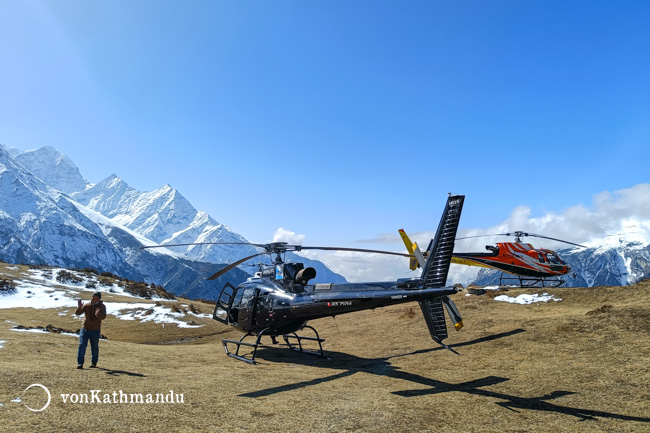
<point>119,372</point>
<point>350,364</point>
<point>467,343</point>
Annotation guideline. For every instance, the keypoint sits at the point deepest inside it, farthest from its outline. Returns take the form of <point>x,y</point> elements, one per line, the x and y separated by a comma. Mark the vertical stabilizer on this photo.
<point>441,249</point>
<point>436,269</point>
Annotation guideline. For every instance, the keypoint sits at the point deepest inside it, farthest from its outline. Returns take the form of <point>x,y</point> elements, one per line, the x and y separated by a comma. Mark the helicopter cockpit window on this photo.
<point>234,310</point>
<point>237,301</point>
<point>243,311</point>
<point>553,259</point>
<point>541,257</point>
<point>246,297</point>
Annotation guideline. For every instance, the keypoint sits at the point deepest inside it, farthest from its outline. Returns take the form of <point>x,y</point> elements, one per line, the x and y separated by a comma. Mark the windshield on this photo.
<point>553,259</point>
<point>237,301</point>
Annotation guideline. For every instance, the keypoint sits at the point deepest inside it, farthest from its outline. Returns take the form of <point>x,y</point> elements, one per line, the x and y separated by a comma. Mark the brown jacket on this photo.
<point>95,313</point>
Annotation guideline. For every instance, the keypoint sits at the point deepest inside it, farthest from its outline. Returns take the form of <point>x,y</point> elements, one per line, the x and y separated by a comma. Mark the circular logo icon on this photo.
<point>49,397</point>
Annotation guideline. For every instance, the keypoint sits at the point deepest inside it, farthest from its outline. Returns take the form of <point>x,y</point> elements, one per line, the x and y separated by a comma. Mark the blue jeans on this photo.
<point>84,336</point>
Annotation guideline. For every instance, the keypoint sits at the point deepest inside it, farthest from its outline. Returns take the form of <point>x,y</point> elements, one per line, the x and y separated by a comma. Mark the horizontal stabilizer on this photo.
<point>453,312</point>
<point>418,255</point>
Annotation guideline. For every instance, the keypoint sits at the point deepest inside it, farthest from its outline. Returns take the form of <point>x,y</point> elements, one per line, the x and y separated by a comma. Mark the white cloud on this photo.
<point>284,235</point>
<point>623,211</point>
<point>358,267</point>
<point>610,213</point>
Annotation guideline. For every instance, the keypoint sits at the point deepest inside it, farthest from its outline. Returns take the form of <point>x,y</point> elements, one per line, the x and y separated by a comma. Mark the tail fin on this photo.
<point>418,259</point>
<point>441,249</point>
<point>436,269</point>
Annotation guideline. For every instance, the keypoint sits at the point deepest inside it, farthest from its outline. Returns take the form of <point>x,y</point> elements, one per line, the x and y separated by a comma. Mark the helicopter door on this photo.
<point>224,303</point>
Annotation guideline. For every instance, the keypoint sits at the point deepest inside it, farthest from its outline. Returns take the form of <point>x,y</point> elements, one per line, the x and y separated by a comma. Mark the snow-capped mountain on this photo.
<point>40,224</point>
<point>53,168</point>
<point>616,260</point>
<point>165,217</point>
<point>120,218</point>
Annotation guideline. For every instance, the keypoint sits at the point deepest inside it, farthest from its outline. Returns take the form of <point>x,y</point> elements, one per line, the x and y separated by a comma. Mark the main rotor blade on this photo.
<point>483,236</point>
<point>281,247</point>
<point>554,239</point>
<point>202,243</point>
<point>361,250</point>
<point>233,265</point>
<point>523,234</point>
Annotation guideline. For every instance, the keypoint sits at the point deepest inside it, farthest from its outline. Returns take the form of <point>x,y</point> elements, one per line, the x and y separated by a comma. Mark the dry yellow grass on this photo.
<point>547,367</point>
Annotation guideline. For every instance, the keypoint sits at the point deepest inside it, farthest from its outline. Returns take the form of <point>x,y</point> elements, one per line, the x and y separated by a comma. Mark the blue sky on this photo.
<point>340,121</point>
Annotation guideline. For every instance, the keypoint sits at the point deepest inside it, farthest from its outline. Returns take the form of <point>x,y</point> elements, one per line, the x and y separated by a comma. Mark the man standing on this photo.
<point>95,311</point>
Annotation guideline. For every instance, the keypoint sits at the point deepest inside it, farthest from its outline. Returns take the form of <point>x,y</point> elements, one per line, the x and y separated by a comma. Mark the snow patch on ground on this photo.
<point>31,294</point>
<point>149,313</point>
<point>33,330</point>
<point>48,277</point>
<point>525,299</point>
<point>40,293</point>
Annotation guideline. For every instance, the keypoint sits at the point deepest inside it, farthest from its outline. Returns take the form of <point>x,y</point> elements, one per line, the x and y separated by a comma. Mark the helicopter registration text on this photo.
<point>339,304</point>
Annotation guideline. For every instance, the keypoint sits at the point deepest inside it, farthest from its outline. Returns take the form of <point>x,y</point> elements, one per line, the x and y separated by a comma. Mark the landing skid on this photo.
<point>299,340</point>
<point>241,343</point>
<point>530,282</point>
<point>287,338</point>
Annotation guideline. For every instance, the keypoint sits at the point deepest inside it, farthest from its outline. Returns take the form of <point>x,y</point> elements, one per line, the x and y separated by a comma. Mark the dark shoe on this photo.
<point>80,366</point>
<point>93,365</point>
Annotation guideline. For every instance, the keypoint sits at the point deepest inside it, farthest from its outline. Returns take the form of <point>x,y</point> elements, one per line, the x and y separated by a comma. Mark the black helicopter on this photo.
<point>279,301</point>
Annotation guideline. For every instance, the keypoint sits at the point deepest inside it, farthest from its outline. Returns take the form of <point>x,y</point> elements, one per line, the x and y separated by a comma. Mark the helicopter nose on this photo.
<point>568,268</point>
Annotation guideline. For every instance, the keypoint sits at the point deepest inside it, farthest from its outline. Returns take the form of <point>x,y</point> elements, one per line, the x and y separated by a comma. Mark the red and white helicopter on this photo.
<point>529,266</point>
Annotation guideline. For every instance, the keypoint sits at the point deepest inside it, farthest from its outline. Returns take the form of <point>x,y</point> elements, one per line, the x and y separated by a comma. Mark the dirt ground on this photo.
<point>581,364</point>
